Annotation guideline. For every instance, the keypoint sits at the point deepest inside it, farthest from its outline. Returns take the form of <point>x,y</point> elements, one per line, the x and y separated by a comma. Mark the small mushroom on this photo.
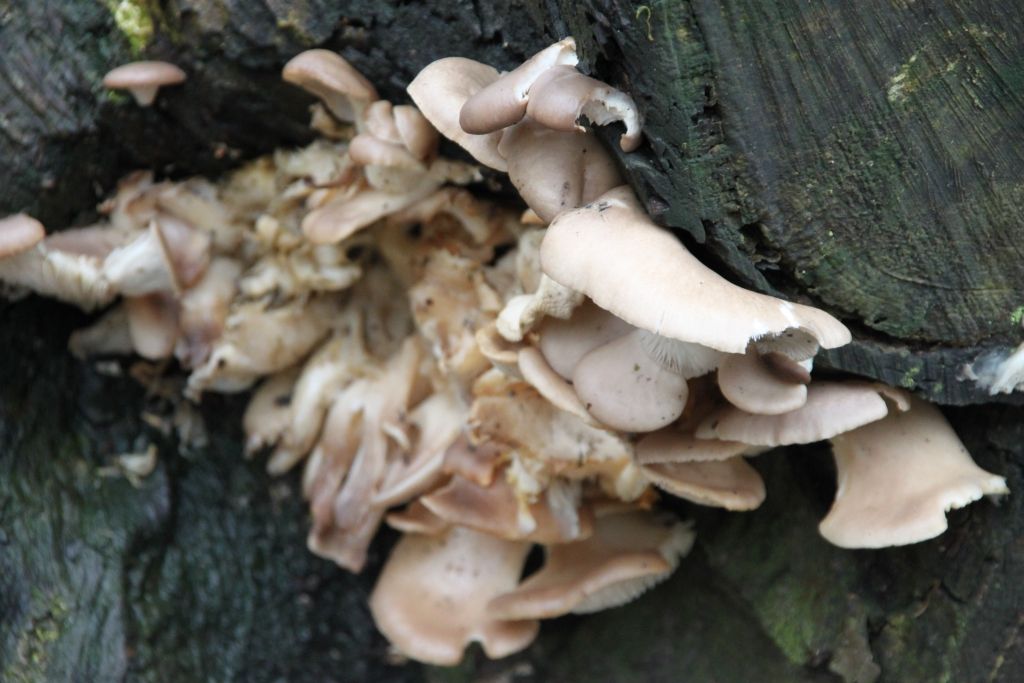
<point>170,256</point>
<point>19,233</point>
<point>431,599</point>
<point>762,384</point>
<point>143,79</point>
<point>326,74</point>
<point>503,102</point>
<point>629,552</point>
<point>269,411</point>
<point>898,477</point>
<point>561,97</point>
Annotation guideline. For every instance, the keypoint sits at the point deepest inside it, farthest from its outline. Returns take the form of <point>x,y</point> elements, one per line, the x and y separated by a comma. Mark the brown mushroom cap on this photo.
<point>330,77</point>
<point>440,90</point>
<point>612,252</point>
<point>562,96</point>
<point>19,233</point>
<point>418,136</point>
<point>556,170</point>
<point>898,477</point>
<point>431,599</point>
<point>629,552</point>
<point>143,79</point>
<point>831,408</point>
<point>503,102</point>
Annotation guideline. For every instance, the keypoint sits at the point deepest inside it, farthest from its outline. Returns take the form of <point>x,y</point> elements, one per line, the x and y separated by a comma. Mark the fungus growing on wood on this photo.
<point>478,382</point>
<point>898,477</point>
<point>143,79</point>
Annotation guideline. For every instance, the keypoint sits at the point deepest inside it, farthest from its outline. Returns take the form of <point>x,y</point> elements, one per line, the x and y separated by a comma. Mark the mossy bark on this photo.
<point>866,157</point>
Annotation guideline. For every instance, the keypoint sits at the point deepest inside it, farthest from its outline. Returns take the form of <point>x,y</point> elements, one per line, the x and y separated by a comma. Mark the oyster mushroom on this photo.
<point>629,552</point>
<point>612,252</point>
<point>431,599</point>
<point>143,79</point>
<point>897,478</point>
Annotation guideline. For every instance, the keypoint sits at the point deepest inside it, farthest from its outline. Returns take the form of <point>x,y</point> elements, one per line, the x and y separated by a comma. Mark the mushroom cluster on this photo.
<point>482,381</point>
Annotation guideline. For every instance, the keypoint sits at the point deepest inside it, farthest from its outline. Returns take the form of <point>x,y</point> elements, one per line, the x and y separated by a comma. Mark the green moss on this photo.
<point>909,379</point>
<point>135,20</point>
<point>42,630</point>
<point>1017,316</point>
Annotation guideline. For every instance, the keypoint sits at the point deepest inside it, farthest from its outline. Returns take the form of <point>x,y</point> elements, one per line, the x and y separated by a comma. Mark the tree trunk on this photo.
<point>865,157</point>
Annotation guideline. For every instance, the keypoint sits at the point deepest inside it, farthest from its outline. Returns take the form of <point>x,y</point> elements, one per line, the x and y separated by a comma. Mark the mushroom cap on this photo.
<point>538,374</point>
<point>623,387</point>
<point>731,484</point>
<point>554,170</point>
<point>751,383</point>
<point>416,519</point>
<point>18,233</point>
<point>440,90</point>
<point>612,252</point>
<point>502,102</point>
<point>330,77</point>
<point>431,599</point>
<point>898,477</point>
<point>496,510</point>
<point>142,75</point>
<point>629,552</point>
<point>416,133</point>
<point>153,324</point>
<point>561,96</point>
<point>670,445</point>
<point>831,408</point>
<point>564,342</point>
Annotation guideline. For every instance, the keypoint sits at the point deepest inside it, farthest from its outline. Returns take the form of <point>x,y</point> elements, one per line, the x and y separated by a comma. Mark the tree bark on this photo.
<point>864,157</point>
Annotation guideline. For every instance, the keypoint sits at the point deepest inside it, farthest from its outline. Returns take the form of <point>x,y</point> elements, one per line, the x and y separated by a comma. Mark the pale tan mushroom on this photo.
<point>612,252</point>
<point>441,89</point>
<point>559,443</point>
<point>497,510</point>
<point>109,335</point>
<point>19,233</point>
<point>564,342</point>
<point>153,324</point>
<point>170,256</point>
<point>555,171</point>
<point>731,483</point>
<point>898,477</point>
<point>143,79</point>
<point>670,445</point>
<point>503,102</point>
<point>258,341</point>
<point>431,599</point>
<point>204,311</point>
<point>29,261</point>
<point>561,97</point>
<point>326,74</point>
<point>268,413</point>
<point>831,408</point>
<point>629,552</point>
<point>538,374</point>
<point>416,519</point>
<point>756,384</point>
<point>525,311</point>
<point>638,382</point>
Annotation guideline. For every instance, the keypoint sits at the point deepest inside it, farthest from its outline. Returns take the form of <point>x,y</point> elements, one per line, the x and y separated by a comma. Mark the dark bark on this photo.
<point>865,157</point>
